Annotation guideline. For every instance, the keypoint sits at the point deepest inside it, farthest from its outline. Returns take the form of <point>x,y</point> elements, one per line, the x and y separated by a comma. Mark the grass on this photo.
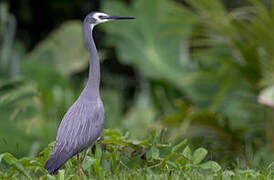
<point>122,158</point>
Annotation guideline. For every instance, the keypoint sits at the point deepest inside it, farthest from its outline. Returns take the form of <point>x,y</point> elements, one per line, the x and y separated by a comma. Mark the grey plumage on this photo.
<point>83,123</point>
<point>80,127</point>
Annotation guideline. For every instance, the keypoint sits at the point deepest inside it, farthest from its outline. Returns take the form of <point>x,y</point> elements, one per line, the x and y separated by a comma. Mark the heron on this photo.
<point>83,123</point>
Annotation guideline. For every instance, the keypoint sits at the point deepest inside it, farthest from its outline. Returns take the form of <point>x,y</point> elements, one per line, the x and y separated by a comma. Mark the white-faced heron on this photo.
<point>83,123</point>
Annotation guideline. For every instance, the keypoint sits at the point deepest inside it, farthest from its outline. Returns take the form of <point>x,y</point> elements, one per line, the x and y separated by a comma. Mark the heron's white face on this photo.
<point>99,17</point>
<point>95,18</point>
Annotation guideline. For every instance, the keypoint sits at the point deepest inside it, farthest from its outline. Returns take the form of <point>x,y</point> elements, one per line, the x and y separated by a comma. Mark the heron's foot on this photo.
<point>80,172</point>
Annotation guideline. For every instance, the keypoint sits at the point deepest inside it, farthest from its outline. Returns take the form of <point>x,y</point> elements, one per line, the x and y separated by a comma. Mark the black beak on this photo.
<point>117,17</point>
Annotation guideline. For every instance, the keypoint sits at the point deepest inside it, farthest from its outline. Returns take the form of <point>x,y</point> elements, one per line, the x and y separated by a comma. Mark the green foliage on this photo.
<point>199,155</point>
<point>10,51</point>
<point>12,161</point>
<point>18,109</point>
<point>32,99</point>
<point>40,92</point>
<point>118,156</point>
<point>141,116</point>
<point>214,62</point>
<point>236,40</point>
<point>144,44</point>
<point>58,52</point>
<point>18,103</point>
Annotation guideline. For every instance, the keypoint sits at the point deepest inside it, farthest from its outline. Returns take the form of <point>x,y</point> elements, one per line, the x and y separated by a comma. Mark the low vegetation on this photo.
<point>118,157</point>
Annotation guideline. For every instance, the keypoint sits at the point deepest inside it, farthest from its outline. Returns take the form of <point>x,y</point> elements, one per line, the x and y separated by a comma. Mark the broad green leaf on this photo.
<point>178,146</point>
<point>144,42</point>
<point>211,165</point>
<point>199,155</point>
<point>64,49</point>
<point>172,164</point>
<point>172,155</point>
<point>187,153</point>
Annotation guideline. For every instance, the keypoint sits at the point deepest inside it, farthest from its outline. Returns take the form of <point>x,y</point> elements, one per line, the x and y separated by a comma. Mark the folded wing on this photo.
<point>80,127</point>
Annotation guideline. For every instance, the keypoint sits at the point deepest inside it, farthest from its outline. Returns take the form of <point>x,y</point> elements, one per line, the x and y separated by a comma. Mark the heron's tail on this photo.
<point>55,162</point>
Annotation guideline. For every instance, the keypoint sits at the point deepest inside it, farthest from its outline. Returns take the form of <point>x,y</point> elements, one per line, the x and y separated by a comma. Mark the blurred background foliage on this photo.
<point>203,69</point>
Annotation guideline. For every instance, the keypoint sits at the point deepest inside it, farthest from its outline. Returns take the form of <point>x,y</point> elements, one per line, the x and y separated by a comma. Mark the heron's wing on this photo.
<point>80,127</point>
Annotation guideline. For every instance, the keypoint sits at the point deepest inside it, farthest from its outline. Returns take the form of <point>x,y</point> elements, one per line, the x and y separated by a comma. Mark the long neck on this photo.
<point>91,90</point>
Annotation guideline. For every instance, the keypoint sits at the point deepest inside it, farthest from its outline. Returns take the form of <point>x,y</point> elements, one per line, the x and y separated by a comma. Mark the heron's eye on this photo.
<point>103,17</point>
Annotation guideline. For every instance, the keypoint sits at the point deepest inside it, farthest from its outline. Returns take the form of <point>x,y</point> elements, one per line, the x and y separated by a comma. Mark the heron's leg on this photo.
<point>78,166</point>
<point>85,157</point>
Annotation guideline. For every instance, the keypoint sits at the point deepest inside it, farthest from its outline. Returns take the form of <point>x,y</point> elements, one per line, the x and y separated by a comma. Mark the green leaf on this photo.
<point>171,164</point>
<point>61,175</point>
<point>182,161</point>
<point>50,177</point>
<point>163,135</point>
<point>187,153</point>
<point>172,155</point>
<point>155,152</point>
<point>113,137</point>
<point>211,165</point>
<point>64,49</point>
<point>98,169</point>
<point>98,152</point>
<point>153,135</point>
<point>89,162</point>
<point>198,155</point>
<point>12,161</point>
<point>19,107</point>
<point>178,146</point>
<point>158,54</point>
<point>114,164</point>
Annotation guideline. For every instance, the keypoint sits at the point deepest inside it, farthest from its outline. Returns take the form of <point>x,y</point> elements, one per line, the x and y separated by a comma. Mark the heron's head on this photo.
<point>95,18</point>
